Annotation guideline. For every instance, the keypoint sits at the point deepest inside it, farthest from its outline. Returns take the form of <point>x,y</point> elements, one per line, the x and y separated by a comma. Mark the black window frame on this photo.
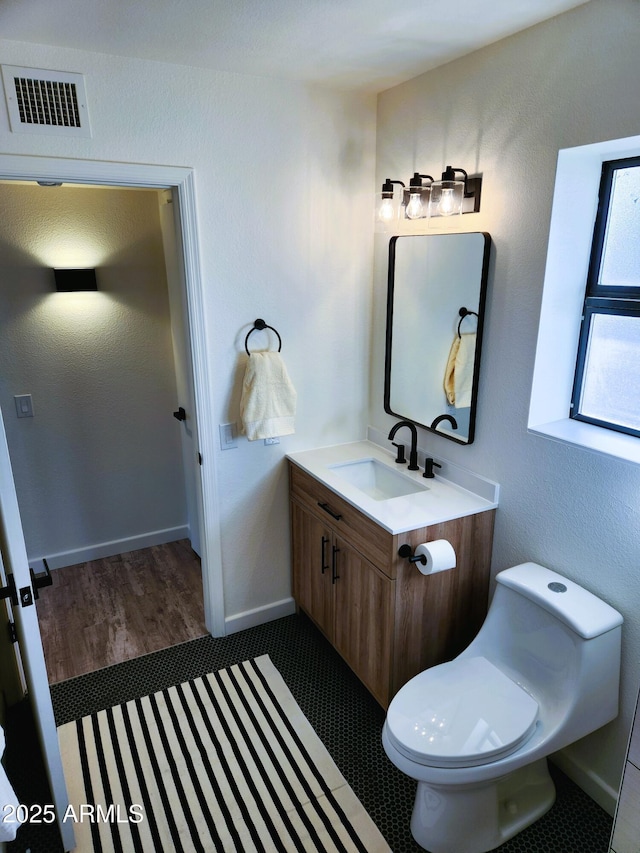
<point>601,298</point>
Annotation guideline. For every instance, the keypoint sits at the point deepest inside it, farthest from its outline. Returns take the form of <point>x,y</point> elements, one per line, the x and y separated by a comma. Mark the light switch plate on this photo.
<point>24,405</point>
<point>228,436</point>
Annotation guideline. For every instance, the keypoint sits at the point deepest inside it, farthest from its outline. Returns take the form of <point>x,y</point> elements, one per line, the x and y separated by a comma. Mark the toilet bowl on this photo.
<point>475,732</point>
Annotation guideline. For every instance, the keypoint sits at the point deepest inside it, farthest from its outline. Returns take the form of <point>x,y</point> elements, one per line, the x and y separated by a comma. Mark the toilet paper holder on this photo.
<point>406,551</point>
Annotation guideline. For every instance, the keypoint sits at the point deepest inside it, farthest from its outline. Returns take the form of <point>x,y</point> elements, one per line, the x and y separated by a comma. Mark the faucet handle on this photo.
<point>429,465</point>
<point>400,458</point>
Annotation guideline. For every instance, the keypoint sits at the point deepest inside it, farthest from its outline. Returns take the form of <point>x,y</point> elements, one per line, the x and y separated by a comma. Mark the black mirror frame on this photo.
<point>479,334</point>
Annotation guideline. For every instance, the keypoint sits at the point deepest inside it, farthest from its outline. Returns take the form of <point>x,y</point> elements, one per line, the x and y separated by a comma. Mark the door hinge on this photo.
<point>9,591</point>
<point>13,637</point>
<point>199,458</point>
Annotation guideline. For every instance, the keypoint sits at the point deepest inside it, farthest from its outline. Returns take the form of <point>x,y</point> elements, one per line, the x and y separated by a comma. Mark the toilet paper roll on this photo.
<point>438,556</point>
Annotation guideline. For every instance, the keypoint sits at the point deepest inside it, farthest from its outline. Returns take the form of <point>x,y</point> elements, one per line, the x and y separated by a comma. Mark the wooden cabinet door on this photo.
<point>312,568</point>
<point>363,626</point>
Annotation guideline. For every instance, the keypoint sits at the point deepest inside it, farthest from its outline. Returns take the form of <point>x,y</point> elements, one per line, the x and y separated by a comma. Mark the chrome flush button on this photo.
<point>556,587</point>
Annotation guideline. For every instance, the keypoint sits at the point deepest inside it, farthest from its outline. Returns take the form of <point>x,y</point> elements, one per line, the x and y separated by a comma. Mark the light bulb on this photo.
<point>446,205</point>
<point>415,209</point>
<point>385,211</point>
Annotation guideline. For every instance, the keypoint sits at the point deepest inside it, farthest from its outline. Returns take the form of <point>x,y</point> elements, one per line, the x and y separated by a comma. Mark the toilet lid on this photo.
<point>460,714</point>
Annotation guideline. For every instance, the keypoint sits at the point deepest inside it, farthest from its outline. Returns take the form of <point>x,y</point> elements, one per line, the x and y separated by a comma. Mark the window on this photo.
<point>607,382</point>
<point>570,248</point>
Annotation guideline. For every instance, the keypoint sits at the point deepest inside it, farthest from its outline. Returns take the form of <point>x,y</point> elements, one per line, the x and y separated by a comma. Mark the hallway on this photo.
<point>118,608</point>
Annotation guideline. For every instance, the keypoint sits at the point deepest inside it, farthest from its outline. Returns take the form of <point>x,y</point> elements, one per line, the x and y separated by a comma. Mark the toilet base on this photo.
<point>479,818</point>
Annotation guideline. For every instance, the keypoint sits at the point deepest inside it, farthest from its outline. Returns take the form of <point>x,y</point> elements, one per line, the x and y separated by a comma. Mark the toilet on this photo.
<point>475,732</point>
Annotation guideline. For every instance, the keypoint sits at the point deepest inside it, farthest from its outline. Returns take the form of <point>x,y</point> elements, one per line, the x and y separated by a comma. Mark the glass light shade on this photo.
<point>418,204</point>
<point>446,198</point>
<point>388,208</point>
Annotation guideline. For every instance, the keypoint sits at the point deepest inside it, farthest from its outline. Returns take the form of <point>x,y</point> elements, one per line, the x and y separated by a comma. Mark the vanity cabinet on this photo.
<point>386,619</point>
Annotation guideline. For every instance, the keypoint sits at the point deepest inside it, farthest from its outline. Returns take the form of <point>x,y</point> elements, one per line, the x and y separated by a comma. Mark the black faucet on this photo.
<point>413,453</point>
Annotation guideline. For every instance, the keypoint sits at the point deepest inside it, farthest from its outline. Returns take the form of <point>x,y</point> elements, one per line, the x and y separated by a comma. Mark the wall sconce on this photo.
<point>71,280</point>
<point>451,196</point>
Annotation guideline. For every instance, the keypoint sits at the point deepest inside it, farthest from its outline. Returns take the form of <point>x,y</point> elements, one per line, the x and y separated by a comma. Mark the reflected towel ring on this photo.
<point>259,325</point>
<point>463,312</point>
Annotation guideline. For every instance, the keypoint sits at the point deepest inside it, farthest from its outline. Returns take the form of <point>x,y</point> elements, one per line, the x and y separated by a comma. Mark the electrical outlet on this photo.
<point>274,440</point>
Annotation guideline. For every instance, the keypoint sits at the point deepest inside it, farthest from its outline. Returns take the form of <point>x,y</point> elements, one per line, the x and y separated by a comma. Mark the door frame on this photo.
<point>182,181</point>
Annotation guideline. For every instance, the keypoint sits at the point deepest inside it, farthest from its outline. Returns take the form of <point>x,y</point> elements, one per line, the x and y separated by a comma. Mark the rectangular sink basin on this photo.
<point>376,480</point>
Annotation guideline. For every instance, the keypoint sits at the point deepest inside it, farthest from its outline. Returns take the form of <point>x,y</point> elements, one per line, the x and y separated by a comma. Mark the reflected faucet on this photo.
<point>440,418</point>
<point>413,453</point>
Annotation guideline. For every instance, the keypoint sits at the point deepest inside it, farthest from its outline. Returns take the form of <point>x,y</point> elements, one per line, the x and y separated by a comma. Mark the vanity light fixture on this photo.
<point>75,279</point>
<point>455,193</point>
<point>453,196</point>
<point>388,205</point>
<point>419,197</point>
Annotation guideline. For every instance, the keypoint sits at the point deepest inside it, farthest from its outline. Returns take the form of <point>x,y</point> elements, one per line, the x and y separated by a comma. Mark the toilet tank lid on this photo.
<point>583,612</point>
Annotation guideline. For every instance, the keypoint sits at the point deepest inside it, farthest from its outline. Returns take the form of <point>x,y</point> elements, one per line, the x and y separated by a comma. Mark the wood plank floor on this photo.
<point>118,608</point>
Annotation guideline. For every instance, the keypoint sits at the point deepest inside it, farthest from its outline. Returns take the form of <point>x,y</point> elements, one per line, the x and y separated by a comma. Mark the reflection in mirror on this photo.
<point>435,308</point>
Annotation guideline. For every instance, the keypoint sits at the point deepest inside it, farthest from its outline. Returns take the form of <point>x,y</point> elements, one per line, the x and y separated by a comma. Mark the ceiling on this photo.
<point>355,44</point>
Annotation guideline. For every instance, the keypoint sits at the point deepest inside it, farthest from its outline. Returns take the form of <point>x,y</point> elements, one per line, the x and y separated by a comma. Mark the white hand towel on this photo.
<point>8,801</point>
<point>458,375</point>
<point>268,402</point>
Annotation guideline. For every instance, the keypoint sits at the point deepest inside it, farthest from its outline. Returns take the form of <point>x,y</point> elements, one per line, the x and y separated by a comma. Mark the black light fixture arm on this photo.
<point>416,181</point>
<point>387,187</point>
<point>449,174</point>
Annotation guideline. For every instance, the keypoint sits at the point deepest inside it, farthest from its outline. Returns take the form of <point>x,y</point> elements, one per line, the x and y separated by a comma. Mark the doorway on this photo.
<point>180,182</point>
<point>100,469</point>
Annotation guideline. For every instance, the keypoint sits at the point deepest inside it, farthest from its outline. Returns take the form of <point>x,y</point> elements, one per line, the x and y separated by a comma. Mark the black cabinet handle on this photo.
<point>328,509</point>
<point>324,542</point>
<point>334,564</point>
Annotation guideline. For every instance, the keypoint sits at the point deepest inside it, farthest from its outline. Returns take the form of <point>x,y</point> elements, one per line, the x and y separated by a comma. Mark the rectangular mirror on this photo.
<point>435,308</point>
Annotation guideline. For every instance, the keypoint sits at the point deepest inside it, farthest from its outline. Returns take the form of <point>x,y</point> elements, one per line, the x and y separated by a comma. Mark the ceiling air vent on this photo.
<point>52,102</point>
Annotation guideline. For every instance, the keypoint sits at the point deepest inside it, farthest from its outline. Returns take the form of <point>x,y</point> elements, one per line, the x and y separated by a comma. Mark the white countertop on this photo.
<point>440,499</point>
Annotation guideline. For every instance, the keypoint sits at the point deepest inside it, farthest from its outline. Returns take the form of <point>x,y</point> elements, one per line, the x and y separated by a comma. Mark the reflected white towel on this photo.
<point>458,375</point>
<point>268,402</point>
<point>8,802</point>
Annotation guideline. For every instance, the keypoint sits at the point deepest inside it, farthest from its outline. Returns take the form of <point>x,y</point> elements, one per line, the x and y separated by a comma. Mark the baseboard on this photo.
<point>592,784</point>
<point>110,549</point>
<point>251,618</point>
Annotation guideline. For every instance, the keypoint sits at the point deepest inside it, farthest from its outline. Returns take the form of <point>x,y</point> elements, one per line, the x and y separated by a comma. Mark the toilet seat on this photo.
<point>460,714</point>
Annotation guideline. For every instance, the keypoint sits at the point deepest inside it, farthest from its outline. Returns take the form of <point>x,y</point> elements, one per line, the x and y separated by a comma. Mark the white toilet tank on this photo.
<point>559,641</point>
<point>583,612</point>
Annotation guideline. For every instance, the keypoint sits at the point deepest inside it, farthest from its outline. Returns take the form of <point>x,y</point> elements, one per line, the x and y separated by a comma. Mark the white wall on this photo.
<point>100,463</point>
<point>505,111</point>
<point>284,176</point>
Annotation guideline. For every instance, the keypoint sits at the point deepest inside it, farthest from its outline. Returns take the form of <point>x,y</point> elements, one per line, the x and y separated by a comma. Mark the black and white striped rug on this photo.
<point>227,762</point>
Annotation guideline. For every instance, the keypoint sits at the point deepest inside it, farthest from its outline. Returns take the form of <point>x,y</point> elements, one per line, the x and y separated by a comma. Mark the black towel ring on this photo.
<point>259,325</point>
<point>463,312</point>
